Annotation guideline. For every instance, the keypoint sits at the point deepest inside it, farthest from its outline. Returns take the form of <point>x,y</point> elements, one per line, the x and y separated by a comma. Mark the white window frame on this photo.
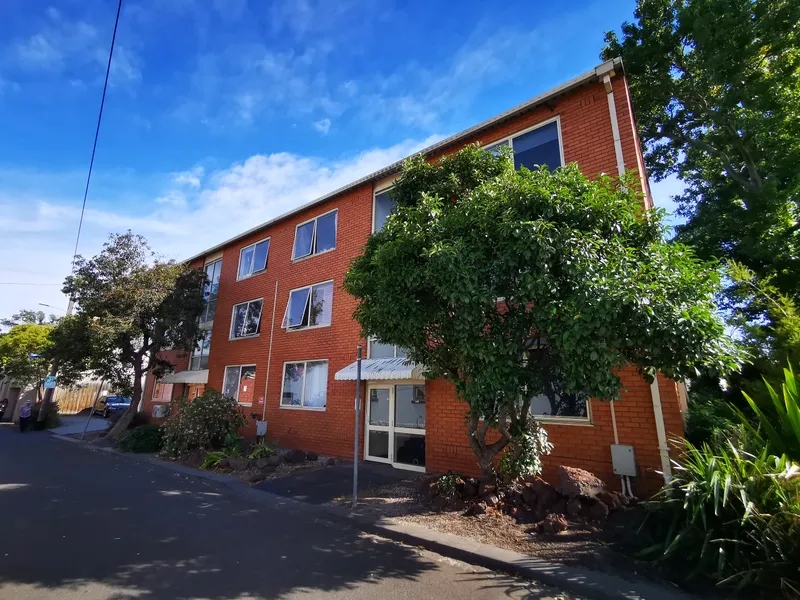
<point>210,322</point>
<point>239,380</point>
<point>375,194</point>
<point>390,427</point>
<point>160,398</point>
<point>509,139</point>
<point>370,341</point>
<point>206,331</point>
<point>314,236</point>
<point>310,289</point>
<point>231,337</point>
<point>586,421</point>
<point>303,387</point>
<point>253,246</point>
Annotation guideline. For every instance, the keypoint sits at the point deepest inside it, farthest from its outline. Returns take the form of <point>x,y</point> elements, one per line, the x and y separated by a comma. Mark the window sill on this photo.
<point>256,274</point>
<point>245,403</point>
<point>244,337</point>
<point>293,329</point>
<point>160,401</point>
<point>574,422</point>
<point>308,408</point>
<point>302,258</point>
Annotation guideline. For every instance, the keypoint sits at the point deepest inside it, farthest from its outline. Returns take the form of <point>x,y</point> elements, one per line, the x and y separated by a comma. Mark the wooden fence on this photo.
<point>75,399</point>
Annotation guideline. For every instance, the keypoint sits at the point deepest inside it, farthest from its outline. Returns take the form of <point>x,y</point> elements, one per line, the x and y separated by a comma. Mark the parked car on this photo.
<point>111,404</point>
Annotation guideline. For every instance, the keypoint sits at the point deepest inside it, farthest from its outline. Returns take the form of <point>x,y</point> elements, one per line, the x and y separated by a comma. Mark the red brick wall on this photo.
<point>587,139</point>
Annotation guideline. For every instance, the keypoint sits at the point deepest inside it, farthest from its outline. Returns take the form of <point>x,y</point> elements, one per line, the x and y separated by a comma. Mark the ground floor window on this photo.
<point>239,383</point>
<point>305,384</point>
<point>560,406</point>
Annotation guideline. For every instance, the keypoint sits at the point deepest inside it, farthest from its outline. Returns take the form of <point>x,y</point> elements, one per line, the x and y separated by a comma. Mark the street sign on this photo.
<point>34,356</point>
<point>50,381</point>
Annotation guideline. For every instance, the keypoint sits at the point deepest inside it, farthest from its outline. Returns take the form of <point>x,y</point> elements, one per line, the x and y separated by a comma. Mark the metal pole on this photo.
<point>91,410</point>
<point>358,424</point>
<point>48,392</point>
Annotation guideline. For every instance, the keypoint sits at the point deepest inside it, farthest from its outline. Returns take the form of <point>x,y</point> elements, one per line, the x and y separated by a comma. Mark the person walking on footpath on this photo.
<point>24,416</point>
<point>3,407</point>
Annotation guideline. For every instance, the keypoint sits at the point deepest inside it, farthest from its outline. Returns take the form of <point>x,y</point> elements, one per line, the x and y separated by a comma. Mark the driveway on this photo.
<point>75,424</point>
<point>93,525</point>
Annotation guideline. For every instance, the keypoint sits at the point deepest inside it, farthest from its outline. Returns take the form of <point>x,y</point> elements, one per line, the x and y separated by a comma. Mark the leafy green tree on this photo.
<point>515,283</point>
<point>16,348</point>
<point>35,317</point>
<point>129,306</point>
<point>715,86</point>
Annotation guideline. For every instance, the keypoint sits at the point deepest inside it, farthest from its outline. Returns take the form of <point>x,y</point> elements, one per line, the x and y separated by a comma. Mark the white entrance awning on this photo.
<point>187,377</point>
<point>381,368</point>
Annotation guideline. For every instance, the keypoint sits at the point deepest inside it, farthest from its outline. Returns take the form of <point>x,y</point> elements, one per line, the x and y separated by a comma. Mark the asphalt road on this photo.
<point>77,524</point>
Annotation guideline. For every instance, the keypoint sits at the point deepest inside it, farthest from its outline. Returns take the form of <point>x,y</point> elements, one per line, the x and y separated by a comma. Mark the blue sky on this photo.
<point>222,114</point>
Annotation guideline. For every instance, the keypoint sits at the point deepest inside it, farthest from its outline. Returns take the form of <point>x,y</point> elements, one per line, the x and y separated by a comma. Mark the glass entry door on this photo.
<point>395,425</point>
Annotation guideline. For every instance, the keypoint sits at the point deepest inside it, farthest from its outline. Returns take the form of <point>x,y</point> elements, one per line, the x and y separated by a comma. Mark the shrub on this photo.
<point>261,449</point>
<point>447,485</point>
<point>138,420</point>
<point>52,418</point>
<point>203,423</point>
<point>143,439</point>
<point>780,423</point>
<point>213,459</point>
<point>709,419</point>
<point>732,516</point>
<point>523,457</point>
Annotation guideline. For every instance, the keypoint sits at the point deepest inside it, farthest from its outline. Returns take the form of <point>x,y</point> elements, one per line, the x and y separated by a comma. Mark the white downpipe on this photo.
<point>661,431</point>
<point>612,109</point>
<point>269,352</point>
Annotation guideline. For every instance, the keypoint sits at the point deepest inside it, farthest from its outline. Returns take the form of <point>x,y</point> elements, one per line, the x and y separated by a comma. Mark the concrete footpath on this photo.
<point>583,582</point>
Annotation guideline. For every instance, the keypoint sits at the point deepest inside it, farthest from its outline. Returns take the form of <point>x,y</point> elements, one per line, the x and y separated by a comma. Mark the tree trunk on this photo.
<point>127,417</point>
<point>486,453</point>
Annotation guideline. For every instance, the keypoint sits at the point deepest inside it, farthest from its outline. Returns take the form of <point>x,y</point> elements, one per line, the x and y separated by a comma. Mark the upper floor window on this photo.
<point>162,392</point>
<point>212,270</point>
<point>309,306</point>
<point>377,349</point>
<point>246,320</point>
<point>253,258</point>
<point>199,359</point>
<point>383,206</point>
<point>538,146</point>
<point>315,236</point>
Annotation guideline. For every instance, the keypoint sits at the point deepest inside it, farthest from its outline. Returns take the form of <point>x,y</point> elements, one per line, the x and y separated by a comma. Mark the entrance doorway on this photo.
<point>395,424</point>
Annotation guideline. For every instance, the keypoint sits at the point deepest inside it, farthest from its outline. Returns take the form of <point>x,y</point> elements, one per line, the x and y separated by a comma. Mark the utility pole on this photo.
<point>48,392</point>
<point>358,423</point>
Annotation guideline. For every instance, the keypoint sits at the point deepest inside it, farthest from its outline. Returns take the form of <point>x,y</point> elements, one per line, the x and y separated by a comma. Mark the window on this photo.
<point>246,320</point>
<point>239,383</point>
<point>199,358</point>
<point>162,392</point>
<point>315,236</point>
<point>305,384</point>
<point>309,306</point>
<point>377,349</point>
<point>560,406</point>
<point>539,146</point>
<point>212,270</point>
<point>253,259</point>
<point>383,206</point>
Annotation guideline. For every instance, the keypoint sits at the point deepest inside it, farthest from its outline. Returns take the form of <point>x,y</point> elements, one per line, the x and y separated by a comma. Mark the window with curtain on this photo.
<point>305,384</point>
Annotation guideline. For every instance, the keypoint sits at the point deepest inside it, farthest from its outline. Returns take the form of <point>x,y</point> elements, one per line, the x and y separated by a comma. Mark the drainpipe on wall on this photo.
<point>658,411</point>
<point>661,430</point>
<point>269,352</point>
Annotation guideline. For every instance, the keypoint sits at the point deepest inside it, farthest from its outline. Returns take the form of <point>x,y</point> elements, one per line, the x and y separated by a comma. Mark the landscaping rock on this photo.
<point>427,486</point>
<point>610,499</point>
<point>487,489</point>
<point>598,511</point>
<point>268,469</point>
<point>330,462</point>
<point>311,456</point>
<point>295,457</point>
<point>238,464</point>
<point>456,504</point>
<point>545,494</point>
<point>574,507</point>
<point>470,488</point>
<point>263,462</point>
<point>577,482</point>
<point>476,509</point>
<point>254,477</point>
<point>274,461</point>
<point>552,524</point>
<point>439,502</point>
<point>224,464</point>
<point>492,500</point>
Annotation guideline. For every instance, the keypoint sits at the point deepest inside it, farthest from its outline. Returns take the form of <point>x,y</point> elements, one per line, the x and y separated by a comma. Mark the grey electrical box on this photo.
<point>623,460</point>
<point>261,428</point>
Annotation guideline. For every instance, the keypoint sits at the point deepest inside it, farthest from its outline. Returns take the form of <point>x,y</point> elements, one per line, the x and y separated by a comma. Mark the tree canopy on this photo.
<point>16,348</point>
<point>129,306</point>
<point>512,283</point>
<point>36,317</point>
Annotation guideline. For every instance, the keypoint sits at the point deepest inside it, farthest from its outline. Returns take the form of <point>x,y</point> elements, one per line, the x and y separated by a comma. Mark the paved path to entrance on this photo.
<point>324,485</point>
<point>75,424</point>
<point>92,525</point>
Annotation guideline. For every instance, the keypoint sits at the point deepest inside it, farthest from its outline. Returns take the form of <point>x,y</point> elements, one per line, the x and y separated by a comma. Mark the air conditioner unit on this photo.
<point>159,411</point>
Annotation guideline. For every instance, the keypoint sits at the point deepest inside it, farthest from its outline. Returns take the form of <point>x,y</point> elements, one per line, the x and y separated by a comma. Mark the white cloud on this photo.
<point>195,211</point>
<point>56,44</point>
<point>323,126</point>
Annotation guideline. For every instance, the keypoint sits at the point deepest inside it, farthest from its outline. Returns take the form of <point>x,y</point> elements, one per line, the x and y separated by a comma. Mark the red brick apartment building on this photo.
<point>293,366</point>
